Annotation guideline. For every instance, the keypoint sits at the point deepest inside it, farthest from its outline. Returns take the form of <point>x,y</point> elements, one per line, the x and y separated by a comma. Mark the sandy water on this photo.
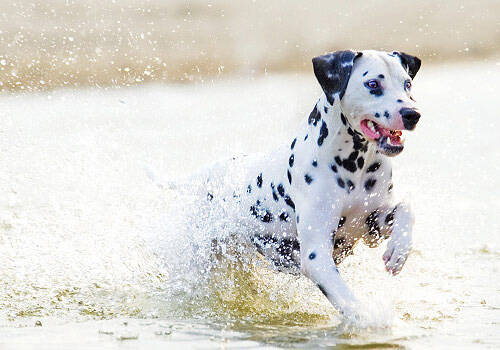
<point>94,255</point>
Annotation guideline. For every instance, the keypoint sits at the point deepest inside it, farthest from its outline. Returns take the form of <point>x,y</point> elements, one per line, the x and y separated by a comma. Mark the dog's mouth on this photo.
<point>388,141</point>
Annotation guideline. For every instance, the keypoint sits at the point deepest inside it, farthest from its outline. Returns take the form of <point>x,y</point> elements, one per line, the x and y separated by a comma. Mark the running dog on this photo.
<point>307,204</point>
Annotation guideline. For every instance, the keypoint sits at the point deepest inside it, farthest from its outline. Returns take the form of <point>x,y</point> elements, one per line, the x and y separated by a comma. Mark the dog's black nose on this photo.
<point>410,117</point>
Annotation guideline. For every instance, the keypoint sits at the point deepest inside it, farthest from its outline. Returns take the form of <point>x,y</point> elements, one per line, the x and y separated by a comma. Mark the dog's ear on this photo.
<point>410,63</point>
<point>333,71</point>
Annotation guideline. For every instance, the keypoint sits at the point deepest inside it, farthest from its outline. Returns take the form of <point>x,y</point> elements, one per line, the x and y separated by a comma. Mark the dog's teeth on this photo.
<point>371,125</point>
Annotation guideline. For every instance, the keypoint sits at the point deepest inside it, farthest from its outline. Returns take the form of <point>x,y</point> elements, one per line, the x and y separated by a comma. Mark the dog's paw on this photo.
<point>396,254</point>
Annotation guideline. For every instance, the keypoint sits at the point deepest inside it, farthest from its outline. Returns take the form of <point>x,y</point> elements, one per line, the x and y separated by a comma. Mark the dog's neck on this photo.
<point>342,144</point>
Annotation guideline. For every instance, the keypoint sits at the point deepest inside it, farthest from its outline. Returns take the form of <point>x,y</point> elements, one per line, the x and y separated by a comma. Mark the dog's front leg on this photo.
<point>399,245</point>
<point>316,222</point>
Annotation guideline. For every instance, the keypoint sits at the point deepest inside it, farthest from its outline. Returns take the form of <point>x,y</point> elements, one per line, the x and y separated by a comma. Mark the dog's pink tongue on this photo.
<point>367,131</point>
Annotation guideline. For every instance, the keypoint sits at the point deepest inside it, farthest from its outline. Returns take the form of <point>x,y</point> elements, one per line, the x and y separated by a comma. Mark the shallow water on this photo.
<point>100,257</point>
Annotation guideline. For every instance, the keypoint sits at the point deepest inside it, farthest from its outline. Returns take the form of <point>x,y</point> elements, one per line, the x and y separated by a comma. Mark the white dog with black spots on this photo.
<point>306,205</point>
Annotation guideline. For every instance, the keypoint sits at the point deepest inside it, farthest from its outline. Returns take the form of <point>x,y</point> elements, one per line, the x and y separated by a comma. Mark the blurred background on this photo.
<point>58,43</point>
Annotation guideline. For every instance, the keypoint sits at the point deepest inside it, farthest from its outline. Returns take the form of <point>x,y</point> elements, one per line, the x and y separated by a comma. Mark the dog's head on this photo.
<point>374,91</point>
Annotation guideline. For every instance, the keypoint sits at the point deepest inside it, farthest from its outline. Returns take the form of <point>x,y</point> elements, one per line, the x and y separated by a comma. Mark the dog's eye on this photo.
<point>372,84</point>
<point>407,85</point>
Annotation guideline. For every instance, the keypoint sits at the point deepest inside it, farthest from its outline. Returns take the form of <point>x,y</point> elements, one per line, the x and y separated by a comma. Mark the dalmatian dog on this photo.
<point>306,205</point>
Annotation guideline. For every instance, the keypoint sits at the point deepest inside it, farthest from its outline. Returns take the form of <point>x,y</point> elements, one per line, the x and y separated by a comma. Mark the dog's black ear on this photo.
<point>410,63</point>
<point>333,71</point>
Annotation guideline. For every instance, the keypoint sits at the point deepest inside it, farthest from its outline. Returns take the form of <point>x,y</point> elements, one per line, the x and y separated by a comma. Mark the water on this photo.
<point>95,255</point>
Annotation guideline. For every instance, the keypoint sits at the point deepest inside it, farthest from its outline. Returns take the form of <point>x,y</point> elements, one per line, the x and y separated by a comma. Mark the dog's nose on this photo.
<point>410,117</point>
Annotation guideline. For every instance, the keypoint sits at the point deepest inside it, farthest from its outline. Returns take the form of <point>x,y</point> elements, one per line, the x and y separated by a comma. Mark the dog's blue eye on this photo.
<point>407,85</point>
<point>372,84</point>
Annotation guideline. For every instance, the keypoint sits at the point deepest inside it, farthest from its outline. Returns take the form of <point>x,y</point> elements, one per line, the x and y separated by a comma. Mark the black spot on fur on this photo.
<point>349,165</point>
<point>358,146</point>
<point>305,138</point>
<point>377,92</point>
<point>259,180</point>
<point>290,160</point>
<point>298,219</point>
<point>286,248</point>
<point>260,213</point>
<point>377,115</point>
<point>289,176</point>
<point>322,290</point>
<point>365,73</point>
<point>308,179</point>
<point>389,219</point>
<point>341,222</point>
<point>386,114</point>
<point>338,242</point>
<point>342,117</point>
<point>284,216</point>
<point>275,195</point>
<point>357,138</point>
<point>325,108</point>
<point>334,168</point>
<point>314,117</point>
<point>210,196</point>
<point>373,168</point>
<point>399,101</point>
<point>372,223</point>
<point>361,162</point>
<point>338,160</point>
<point>353,155</point>
<point>312,256</point>
<point>350,186</point>
<point>268,217</point>
<point>381,76</point>
<point>359,142</point>
<point>340,182</point>
<point>369,184</point>
<point>390,188</point>
<point>263,241</point>
<point>289,202</point>
<point>249,189</point>
<point>281,190</point>
<point>293,143</point>
<point>323,133</point>
<point>315,163</point>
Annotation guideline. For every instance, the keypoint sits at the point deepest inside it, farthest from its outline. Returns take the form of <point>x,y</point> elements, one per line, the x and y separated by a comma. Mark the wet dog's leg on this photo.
<point>395,223</point>
<point>315,224</point>
<point>399,246</point>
